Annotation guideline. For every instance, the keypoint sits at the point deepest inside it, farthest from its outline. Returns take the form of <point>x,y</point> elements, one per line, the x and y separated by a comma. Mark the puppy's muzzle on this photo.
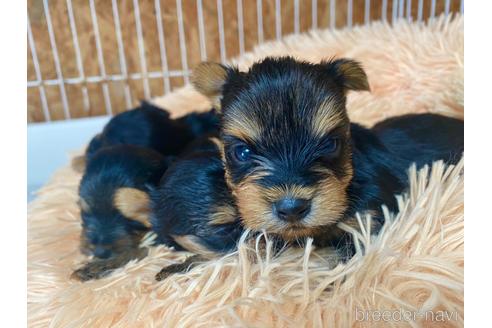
<point>292,210</point>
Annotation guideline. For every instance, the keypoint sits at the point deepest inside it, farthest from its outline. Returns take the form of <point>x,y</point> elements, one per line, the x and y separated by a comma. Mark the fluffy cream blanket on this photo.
<point>411,274</point>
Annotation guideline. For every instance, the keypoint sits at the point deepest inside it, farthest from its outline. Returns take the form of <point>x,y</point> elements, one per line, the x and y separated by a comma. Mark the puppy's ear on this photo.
<point>133,204</point>
<point>209,78</point>
<point>349,73</point>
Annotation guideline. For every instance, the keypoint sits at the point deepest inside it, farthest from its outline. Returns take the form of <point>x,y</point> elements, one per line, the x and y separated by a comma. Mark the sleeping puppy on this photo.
<point>151,127</point>
<point>192,209</point>
<point>113,200</point>
<point>295,164</point>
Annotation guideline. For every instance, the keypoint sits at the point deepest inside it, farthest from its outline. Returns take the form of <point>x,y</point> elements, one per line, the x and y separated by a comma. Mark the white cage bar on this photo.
<point>162,45</point>
<point>78,56</point>
<point>278,19</point>
<point>399,9</point>
<point>37,70</point>
<point>201,30</point>
<point>121,52</point>
<point>182,41</point>
<point>240,26</point>
<point>100,58</point>
<point>56,59</point>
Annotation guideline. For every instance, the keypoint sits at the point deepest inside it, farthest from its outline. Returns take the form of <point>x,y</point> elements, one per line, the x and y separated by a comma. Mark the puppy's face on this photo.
<point>286,138</point>
<point>113,230</point>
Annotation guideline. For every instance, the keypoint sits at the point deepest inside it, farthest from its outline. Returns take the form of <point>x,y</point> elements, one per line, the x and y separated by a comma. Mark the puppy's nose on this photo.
<point>292,209</point>
<point>101,252</point>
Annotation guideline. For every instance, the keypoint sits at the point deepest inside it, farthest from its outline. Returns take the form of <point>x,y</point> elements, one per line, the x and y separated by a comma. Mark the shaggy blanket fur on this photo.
<point>414,264</point>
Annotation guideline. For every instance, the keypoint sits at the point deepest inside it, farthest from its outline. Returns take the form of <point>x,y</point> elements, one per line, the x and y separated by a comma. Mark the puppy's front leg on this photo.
<point>100,268</point>
<point>186,266</point>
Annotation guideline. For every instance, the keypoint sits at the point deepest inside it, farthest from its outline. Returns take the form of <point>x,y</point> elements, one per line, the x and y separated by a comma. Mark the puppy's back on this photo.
<point>423,138</point>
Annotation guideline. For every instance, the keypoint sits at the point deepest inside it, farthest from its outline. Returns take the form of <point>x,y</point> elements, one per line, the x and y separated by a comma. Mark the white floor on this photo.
<point>49,145</point>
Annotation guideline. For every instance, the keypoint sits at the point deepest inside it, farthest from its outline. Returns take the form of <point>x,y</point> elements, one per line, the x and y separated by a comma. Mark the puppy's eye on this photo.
<point>242,153</point>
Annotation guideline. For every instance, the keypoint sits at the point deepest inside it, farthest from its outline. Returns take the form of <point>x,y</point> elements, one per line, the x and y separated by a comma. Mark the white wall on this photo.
<point>49,144</point>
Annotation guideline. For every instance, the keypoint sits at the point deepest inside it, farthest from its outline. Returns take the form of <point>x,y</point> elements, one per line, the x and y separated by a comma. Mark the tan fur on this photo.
<point>192,244</point>
<point>329,201</point>
<point>255,211</point>
<point>327,117</point>
<point>134,204</point>
<point>223,214</point>
<point>229,182</point>
<point>276,193</point>
<point>208,79</point>
<point>415,263</point>
<point>242,127</point>
<point>220,146</point>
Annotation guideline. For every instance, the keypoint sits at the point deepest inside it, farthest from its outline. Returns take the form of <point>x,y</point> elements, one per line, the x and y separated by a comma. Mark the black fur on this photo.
<point>106,231</point>
<point>383,154</point>
<point>192,188</point>
<point>151,127</point>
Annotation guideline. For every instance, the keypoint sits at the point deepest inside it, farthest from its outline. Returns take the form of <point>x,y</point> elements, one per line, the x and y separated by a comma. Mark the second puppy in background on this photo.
<point>191,209</point>
<point>151,127</point>
<point>123,162</point>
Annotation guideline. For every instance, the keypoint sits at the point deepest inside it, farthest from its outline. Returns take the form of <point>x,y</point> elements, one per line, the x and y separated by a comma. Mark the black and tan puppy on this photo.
<point>113,199</point>
<point>193,209</point>
<point>151,127</point>
<point>295,164</point>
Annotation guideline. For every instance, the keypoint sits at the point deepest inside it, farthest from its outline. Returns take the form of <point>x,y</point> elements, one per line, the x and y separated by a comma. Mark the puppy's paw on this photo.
<point>169,270</point>
<point>92,270</point>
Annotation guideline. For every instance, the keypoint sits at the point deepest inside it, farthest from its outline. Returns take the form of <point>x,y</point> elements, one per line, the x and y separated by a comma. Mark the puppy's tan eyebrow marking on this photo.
<point>327,117</point>
<point>242,127</point>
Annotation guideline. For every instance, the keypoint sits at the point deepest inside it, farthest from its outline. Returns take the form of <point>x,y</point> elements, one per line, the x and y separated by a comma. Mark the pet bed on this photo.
<point>414,267</point>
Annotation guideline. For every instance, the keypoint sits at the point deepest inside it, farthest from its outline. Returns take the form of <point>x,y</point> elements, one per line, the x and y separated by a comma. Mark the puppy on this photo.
<point>193,209</point>
<point>113,199</point>
<point>295,164</point>
<point>151,127</point>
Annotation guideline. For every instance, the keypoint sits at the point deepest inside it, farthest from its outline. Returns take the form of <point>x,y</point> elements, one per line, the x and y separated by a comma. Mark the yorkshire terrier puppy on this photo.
<point>113,199</point>
<point>295,164</point>
<point>151,127</point>
<point>192,209</point>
